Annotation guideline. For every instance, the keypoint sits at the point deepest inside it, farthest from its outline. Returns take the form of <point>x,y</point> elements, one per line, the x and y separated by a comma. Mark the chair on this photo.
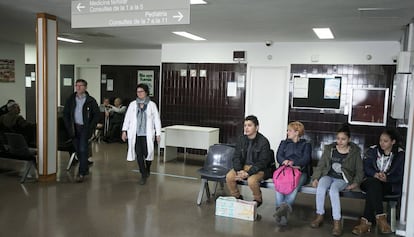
<point>65,142</point>
<point>18,148</point>
<point>217,165</point>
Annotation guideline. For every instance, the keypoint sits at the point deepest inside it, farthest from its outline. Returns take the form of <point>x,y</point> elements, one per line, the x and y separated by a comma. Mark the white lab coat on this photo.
<point>153,128</point>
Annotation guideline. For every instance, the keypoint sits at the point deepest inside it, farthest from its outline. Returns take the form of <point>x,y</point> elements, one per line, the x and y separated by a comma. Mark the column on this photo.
<point>46,89</point>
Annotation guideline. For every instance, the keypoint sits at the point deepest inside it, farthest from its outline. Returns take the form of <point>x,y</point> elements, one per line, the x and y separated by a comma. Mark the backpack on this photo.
<point>286,179</point>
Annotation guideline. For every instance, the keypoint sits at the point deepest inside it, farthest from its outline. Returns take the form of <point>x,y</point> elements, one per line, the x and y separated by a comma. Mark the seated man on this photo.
<point>252,160</point>
<point>13,122</point>
<point>3,109</point>
<point>116,118</point>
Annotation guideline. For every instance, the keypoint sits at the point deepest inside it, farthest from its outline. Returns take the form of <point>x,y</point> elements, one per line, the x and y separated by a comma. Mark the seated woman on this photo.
<point>116,118</point>
<point>339,168</point>
<point>384,170</point>
<point>293,151</point>
<point>252,160</point>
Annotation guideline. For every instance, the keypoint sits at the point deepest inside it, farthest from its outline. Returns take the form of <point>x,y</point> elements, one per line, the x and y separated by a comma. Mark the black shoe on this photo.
<point>80,178</point>
<point>240,197</point>
<point>258,203</point>
<point>90,162</point>
<point>143,180</point>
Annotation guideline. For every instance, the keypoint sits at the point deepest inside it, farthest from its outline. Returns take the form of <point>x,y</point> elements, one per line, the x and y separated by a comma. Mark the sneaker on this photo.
<point>240,197</point>
<point>283,221</point>
<point>277,218</point>
<point>282,210</point>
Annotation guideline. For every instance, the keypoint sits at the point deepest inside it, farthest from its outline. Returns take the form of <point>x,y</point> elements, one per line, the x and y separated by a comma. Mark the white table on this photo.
<point>188,137</point>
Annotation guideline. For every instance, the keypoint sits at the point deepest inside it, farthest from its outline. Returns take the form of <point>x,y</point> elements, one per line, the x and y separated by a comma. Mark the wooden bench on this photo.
<point>391,200</point>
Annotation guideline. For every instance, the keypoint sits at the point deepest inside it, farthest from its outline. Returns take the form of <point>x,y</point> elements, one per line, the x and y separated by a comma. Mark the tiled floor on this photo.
<point>112,203</point>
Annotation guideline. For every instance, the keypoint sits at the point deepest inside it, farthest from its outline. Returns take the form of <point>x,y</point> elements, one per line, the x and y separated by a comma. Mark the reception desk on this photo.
<point>188,137</point>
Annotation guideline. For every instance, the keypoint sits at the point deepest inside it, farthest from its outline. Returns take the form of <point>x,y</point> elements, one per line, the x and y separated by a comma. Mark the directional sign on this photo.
<point>116,13</point>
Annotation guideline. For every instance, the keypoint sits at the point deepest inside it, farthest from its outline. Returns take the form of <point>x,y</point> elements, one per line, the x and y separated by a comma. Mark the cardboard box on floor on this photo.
<point>235,208</point>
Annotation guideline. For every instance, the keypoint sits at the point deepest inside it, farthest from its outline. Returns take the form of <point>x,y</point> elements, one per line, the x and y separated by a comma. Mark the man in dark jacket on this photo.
<point>81,114</point>
<point>252,160</point>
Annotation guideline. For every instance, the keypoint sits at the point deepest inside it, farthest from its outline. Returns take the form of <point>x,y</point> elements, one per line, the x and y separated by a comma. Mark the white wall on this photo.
<point>150,57</point>
<point>284,54</point>
<point>14,90</point>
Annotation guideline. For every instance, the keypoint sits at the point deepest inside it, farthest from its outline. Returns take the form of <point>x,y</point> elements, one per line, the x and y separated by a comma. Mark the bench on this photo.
<point>391,200</point>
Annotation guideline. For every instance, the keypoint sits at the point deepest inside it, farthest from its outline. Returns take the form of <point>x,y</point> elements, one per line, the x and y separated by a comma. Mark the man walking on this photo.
<point>81,114</point>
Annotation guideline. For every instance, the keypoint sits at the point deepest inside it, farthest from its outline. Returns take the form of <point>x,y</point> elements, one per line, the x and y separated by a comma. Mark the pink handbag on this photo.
<point>286,179</point>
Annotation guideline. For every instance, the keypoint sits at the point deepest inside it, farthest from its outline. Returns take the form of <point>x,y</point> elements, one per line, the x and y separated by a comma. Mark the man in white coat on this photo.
<point>141,126</point>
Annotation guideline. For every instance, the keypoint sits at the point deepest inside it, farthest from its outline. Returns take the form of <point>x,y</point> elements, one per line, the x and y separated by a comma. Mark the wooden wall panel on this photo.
<point>203,101</point>
<point>125,82</point>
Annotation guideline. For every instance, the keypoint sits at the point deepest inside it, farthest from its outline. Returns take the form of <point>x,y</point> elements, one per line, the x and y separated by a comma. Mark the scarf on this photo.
<point>141,116</point>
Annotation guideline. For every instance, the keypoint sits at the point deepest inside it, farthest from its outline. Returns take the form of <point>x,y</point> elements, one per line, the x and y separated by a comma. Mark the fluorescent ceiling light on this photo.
<point>197,2</point>
<point>188,35</point>
<point>323,33</point>
<point>70,40</point>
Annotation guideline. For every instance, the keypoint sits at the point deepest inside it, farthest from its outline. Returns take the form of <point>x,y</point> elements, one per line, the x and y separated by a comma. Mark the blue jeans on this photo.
<point>290,198</point>
<point>335,186</point>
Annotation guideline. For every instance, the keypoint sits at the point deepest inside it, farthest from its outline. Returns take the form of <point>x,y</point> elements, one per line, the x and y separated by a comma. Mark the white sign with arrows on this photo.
<point>115,13</point>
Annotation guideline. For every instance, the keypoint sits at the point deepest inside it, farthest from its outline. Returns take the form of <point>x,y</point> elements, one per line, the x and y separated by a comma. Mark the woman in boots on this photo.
<point>141,126</point>
<point>297,152</point>
<point>339,168</point>
<point>384,170</point>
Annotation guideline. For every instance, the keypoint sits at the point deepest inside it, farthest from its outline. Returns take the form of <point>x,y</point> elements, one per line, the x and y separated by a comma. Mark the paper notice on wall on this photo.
<point>300,87</point>
<point>109,85</point>
<point>28,81</point>
<point>147,77</point>
<point>67,81</point>
<point>231,89</point>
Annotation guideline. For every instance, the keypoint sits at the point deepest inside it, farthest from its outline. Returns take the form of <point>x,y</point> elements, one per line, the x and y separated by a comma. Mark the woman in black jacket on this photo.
<point>384,171</point>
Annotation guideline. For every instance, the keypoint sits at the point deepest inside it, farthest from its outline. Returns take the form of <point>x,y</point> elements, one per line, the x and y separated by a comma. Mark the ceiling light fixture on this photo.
<point>197,2</point>
<point>188,35</point>
<point>323,33</point>
<point>69,40</point>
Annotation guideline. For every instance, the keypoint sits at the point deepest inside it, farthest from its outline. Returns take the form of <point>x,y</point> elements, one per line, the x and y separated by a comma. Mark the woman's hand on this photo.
<point>315,183</point>
<point>287,162</point>
<point>124,136</point>
<point>351,186</point>
<point>158,139</point>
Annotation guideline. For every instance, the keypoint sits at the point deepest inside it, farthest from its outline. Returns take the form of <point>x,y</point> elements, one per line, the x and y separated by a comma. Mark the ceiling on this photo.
<point>224,21</point>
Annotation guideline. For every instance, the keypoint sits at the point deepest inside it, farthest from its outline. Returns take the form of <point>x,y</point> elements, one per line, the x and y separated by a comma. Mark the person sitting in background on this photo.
<point>116,118</point>
<point>13,122</point>
<point>103,123</point>
<point>251,161</point>
<point>295,152</point>
<point>339,168</point>
<point>384,171</point>
<point>3,109</point>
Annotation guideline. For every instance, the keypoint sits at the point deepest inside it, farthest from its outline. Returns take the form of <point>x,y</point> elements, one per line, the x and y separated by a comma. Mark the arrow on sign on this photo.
<point>79,7</point>
<point>179,16</point>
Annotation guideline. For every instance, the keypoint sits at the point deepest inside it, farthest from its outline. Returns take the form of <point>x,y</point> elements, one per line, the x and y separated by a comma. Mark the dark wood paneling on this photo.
<point>203,101</point>
<point>66,71</point>
<point>321,126</point>
<point>125,82</point>
<point>30,95</point>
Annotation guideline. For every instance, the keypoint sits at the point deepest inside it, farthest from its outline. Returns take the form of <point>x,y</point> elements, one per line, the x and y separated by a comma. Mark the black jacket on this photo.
<point>90,114</point>
<point>395,175</point>
<point>262,156</point>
